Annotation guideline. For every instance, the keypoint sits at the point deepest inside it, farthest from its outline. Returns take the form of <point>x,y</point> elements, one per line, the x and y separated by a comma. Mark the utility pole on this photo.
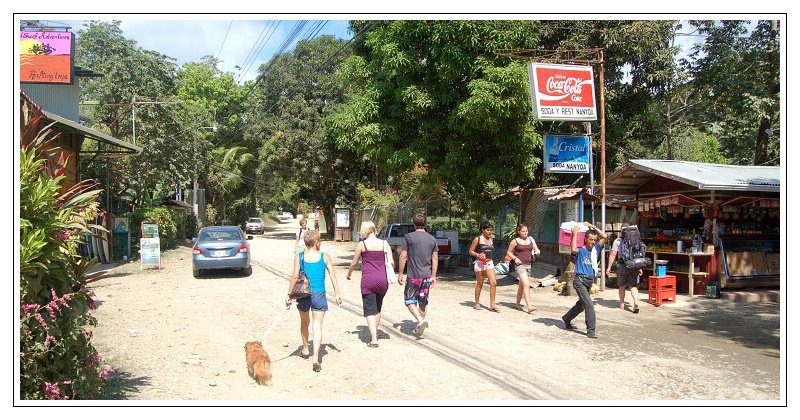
<point>194,176</point>
<point>133,117</point>
<point>602,162</point>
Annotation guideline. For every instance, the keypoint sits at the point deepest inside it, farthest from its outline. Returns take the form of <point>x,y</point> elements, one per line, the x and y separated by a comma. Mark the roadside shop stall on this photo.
<point>710,224</point>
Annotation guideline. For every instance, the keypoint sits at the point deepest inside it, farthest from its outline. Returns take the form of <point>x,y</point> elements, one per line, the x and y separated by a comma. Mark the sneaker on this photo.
<point>591,334</point>
<point>567,324</point>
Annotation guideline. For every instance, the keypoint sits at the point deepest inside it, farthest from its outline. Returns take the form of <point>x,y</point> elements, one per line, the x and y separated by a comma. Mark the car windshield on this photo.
<point>254,220</point>
<point>220,235</point>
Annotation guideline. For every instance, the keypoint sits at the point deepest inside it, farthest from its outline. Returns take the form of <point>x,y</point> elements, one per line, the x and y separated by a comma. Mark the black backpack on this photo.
<point>632,250</point>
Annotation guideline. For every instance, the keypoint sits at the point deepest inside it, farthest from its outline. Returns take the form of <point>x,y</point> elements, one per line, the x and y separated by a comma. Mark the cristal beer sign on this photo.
<point>560,92</point>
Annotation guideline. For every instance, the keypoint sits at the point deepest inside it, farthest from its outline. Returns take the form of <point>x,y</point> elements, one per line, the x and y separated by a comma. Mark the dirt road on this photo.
<point>170,336</point>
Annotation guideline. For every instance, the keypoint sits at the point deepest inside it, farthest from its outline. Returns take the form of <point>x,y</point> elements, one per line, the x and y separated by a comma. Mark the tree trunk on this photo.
<point>762,141</point>
<point>762,138</point>
<point>670,155</point>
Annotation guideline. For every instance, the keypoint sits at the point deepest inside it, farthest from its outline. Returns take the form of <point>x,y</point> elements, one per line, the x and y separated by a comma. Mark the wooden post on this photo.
<point>602,163</point>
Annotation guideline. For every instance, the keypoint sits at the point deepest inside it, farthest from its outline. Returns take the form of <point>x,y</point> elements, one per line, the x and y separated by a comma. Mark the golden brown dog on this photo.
<point>258,364</point>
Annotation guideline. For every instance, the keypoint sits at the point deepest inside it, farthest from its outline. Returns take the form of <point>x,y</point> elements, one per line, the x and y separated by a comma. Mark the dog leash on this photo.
<point>276,321</point>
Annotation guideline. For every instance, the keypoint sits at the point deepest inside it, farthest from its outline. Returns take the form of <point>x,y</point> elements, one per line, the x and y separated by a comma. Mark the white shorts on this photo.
<point>480,267</point>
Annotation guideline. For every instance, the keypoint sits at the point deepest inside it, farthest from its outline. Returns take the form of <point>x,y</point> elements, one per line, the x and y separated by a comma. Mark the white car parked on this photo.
<point>285,216</point>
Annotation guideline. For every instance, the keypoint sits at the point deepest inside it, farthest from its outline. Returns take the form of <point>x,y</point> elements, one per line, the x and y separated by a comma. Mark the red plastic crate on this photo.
<point>662,283</point>
<point>658,297</point>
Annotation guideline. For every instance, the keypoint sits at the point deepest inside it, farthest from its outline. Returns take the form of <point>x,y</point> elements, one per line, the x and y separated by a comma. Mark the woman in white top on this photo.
<point>299,243</point>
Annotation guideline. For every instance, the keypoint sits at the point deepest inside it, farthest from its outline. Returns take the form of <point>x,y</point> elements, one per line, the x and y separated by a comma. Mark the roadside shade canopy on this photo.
<point>117,147</point>
<point>643,175</point>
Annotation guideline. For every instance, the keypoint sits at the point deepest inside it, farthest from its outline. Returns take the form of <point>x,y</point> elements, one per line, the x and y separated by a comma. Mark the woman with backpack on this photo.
<point>522,250</point>
<point>481,249</point>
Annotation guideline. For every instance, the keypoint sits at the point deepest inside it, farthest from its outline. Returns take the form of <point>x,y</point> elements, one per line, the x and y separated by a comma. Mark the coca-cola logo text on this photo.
<point>563,85</point>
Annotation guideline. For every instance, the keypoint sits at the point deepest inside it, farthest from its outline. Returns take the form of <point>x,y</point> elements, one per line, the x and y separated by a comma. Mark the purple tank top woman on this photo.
<point>373,272</point>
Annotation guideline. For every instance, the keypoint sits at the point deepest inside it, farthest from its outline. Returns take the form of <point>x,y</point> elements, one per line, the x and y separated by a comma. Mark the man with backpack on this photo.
<point>626,277</point>
<point>585,275</point>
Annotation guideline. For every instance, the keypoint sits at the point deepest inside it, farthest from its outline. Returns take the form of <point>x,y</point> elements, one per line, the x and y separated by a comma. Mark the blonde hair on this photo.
<point>311,238</point>
<point>303,222</point>
<point>367,227</point>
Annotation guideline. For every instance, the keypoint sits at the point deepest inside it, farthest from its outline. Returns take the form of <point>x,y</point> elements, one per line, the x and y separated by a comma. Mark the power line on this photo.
<point>257,52</point>
<point>253,48</point>
<point>225,39</point>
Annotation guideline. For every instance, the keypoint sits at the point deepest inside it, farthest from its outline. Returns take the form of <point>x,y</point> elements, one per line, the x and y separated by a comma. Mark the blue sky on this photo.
<point>236,41</point>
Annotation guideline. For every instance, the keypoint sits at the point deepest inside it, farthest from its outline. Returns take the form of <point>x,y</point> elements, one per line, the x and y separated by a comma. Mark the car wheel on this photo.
<point>196,272</point>
<point>248,271</point>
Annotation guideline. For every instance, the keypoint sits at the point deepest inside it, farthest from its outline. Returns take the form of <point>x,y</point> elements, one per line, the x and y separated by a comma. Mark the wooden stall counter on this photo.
<point>705,257</point>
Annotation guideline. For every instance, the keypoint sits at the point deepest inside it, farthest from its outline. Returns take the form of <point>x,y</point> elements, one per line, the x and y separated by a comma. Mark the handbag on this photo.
<point>301,288</point>
<point>391,277</point>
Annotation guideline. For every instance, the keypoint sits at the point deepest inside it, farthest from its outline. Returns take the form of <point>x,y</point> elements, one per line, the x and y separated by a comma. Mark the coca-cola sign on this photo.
<point>561,92</point>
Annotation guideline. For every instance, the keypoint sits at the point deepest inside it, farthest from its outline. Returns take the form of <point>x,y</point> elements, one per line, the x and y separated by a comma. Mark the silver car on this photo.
<point>254,225</point>
<point>219,247</point>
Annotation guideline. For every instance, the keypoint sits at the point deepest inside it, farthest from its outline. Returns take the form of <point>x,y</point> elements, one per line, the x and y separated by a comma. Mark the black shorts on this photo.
<point>627,277</point>
<point>372,303</point>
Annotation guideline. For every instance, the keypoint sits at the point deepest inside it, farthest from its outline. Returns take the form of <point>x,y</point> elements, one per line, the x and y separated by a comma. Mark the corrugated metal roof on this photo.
<point>557,194</point>
<point>704,176</point>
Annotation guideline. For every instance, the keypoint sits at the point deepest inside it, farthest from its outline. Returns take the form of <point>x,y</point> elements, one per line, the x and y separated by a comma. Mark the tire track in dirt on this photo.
<point>505,375</point>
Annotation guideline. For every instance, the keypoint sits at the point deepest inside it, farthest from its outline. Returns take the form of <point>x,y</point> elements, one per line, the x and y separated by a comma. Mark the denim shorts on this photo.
<point>317,302</point>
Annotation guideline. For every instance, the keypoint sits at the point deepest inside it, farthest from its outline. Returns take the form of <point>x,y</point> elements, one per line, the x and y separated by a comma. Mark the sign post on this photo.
<point>343,224</point>
<point>149,245</point>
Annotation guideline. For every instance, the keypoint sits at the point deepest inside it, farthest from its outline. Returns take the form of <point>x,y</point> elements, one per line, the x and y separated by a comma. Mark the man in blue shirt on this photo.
<point>584,275</point>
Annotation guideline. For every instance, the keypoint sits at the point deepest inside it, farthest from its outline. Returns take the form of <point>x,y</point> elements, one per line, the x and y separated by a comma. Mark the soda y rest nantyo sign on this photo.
<point>562,92</point>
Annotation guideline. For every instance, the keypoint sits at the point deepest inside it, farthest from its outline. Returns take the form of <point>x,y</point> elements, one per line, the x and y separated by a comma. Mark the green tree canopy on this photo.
<point>295,93</point>
<point>436,92</point>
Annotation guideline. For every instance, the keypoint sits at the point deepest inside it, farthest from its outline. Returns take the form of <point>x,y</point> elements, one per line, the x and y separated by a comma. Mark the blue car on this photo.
<point>218,247</point>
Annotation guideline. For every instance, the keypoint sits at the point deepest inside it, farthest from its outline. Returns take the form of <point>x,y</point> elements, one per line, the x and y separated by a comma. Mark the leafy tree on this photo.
<point>128,72</point>
<point>225,178</point>
<point>436,93</point>
<point>296,91</point>
<point>216,105</point>
<point>738,71</point>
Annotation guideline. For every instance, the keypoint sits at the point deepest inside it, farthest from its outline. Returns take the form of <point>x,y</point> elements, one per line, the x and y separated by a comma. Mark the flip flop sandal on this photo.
<point>621,306</point>
<point>494,310</point>
<point>317,367</point>
<point>636,309</point>
<point>373,345</point>
<point>477,308</point>
<point>531,310</point>
<point>305,355</point>
<point>421,329</point>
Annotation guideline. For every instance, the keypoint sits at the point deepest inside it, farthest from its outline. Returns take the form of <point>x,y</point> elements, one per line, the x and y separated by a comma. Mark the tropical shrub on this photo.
<point>57,358</point>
